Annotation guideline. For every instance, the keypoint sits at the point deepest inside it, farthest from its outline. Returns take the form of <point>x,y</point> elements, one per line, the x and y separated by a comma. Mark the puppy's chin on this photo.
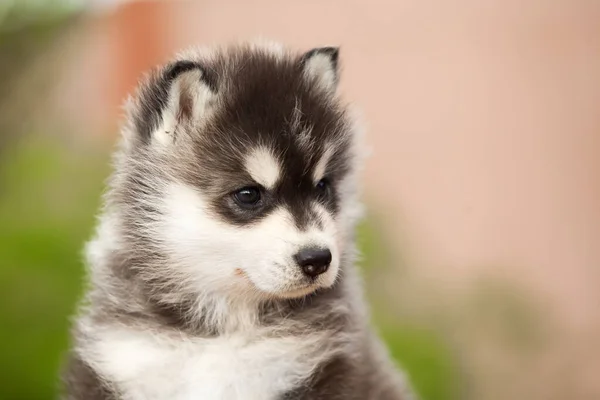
<point>296,293</point>
<point>285,292</point>
<point>296,290</point>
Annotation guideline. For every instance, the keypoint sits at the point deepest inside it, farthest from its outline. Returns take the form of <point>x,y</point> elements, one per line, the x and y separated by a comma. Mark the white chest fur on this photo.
<point>148,366</point>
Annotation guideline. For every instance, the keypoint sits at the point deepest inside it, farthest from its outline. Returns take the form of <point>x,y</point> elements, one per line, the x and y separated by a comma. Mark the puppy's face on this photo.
<point>241,174</point>
<point>263,229</point>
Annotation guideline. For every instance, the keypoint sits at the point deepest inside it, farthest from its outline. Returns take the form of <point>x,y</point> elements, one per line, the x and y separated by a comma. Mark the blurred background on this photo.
<point>482,245</point>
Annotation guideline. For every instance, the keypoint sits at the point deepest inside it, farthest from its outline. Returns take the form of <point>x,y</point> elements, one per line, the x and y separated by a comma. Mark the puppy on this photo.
<point>223,261</point>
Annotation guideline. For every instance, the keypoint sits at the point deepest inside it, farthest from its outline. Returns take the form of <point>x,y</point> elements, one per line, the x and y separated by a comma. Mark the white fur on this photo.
<point>263,166</point>
<point>321,167</point>
<point>320,67</point>
<point>105,241</point>
<point>147,366</point>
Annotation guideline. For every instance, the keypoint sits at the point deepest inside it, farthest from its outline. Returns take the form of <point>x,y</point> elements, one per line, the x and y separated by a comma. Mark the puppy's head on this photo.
<point>237,175</point>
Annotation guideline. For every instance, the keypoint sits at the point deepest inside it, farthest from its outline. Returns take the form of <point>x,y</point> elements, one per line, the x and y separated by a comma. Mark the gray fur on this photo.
<point>261,97</point>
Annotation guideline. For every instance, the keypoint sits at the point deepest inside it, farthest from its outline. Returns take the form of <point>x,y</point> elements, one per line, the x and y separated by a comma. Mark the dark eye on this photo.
<point>323,187</point>
<point>322,184</point>
<point>247,197</point>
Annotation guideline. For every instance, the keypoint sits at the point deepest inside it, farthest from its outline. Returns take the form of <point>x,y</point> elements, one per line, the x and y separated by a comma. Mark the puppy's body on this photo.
<point>223,264</point>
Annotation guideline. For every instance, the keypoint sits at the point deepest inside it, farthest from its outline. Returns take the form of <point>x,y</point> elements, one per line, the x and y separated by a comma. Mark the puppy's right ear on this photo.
<point>177,95</point>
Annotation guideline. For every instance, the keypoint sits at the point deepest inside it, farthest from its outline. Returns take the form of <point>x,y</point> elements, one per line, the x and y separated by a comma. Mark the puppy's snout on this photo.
<point>313,260</point>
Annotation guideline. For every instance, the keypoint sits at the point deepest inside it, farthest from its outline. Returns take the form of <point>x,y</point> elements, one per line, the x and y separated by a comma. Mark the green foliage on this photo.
<point>16,15</point>
<point>427,360</point>
<point>48,199</point>
<point>420,351</point>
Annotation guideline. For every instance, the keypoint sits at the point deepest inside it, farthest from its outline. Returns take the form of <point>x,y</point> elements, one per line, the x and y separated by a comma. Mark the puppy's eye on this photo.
<point>247,197</point>
<point>323,187</point>
<point>323,184</point>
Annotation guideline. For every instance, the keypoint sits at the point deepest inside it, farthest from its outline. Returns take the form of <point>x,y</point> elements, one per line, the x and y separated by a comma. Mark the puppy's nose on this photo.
<point>313,261</point>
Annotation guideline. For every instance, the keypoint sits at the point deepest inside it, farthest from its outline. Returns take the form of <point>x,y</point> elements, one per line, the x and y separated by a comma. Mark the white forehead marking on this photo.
<point>320,168</point>
<point>263,166</point>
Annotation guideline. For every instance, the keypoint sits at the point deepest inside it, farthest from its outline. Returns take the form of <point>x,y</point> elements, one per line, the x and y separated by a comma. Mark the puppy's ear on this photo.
<point>320,65</point>
<point>179,94</point>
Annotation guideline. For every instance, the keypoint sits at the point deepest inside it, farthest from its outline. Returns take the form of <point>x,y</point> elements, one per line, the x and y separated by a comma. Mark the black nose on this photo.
<point>313,261</point>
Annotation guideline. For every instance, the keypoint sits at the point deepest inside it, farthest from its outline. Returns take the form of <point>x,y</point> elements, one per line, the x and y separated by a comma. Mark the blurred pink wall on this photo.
<point>484,119</point>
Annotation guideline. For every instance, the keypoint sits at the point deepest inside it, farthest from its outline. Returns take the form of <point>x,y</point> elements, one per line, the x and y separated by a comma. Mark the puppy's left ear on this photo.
<point>321,66</point>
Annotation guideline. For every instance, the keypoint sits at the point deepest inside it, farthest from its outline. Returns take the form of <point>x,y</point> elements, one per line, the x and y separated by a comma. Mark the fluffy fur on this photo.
<point>194,294</point>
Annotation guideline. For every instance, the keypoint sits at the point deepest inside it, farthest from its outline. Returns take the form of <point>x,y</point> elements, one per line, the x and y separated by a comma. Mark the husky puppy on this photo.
<point>223,261</point>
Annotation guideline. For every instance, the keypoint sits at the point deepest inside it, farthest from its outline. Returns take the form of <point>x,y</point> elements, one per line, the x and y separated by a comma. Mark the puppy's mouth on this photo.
<point>291,291</point>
